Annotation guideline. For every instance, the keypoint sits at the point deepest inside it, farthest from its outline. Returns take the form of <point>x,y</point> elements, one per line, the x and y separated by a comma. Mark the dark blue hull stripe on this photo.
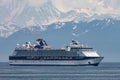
<point>42,58</point>
<point>95,64</point>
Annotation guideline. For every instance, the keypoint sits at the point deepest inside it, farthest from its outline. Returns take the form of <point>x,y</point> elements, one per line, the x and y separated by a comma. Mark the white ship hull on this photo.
<point>94,61</point>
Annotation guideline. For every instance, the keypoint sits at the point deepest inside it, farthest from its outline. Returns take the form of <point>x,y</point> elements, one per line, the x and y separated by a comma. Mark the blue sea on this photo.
<point>105,71</point>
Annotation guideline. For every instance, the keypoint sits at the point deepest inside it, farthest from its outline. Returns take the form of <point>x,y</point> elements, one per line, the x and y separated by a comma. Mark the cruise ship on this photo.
<point>41,54</point>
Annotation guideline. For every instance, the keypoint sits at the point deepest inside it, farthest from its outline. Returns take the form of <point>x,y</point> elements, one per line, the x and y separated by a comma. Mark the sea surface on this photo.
<point>105,71</point>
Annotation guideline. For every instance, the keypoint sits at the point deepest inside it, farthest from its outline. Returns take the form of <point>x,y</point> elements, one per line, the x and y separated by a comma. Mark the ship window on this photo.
<point>45,57</point>
<point>29,57</point>
<point>41,58</point>
<point>59,57</point>
<point>69,57</point>
<point>50,57</point>
<point>89,62</point>
<point>36,57</point>
<point>74,49</point>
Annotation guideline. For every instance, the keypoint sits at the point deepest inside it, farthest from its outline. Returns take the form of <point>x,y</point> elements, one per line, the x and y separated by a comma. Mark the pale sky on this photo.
<point>66,5</point>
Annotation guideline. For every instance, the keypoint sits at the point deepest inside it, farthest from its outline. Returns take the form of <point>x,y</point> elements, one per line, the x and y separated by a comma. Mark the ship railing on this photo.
<point>32,48</point>
<point>23,48</point>
<point>79,45</point>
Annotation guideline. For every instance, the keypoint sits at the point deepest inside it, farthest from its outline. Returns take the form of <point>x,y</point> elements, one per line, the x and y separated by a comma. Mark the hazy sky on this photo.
<point>66,5</point>
<point>12,8</point>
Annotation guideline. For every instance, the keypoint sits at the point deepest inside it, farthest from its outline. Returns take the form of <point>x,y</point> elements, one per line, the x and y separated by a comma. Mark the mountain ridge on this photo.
<point>24,16</point>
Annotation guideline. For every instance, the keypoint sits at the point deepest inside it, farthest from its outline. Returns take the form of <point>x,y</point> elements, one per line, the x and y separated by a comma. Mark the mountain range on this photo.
<point>19,15</point>
<point>21,24</point>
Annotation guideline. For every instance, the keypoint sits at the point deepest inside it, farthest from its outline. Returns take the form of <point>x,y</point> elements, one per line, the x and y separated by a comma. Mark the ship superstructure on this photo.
<point>42,54</point>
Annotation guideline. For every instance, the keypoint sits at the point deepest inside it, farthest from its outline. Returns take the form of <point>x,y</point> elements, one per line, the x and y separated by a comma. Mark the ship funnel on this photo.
<point>75,42</point>
<point>41,43</point>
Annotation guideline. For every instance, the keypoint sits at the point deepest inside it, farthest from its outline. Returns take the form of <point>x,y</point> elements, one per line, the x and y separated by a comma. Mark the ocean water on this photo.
<point>105,71</point>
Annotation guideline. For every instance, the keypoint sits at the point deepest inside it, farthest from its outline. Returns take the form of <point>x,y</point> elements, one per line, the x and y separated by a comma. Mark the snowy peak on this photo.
<point>27,17</point>
<point>47,14</point>
<point>9,29</point>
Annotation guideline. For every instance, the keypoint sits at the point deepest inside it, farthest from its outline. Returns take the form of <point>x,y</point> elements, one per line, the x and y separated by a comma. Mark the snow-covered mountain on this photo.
<point>18,15</point>
<point>25,17</point>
